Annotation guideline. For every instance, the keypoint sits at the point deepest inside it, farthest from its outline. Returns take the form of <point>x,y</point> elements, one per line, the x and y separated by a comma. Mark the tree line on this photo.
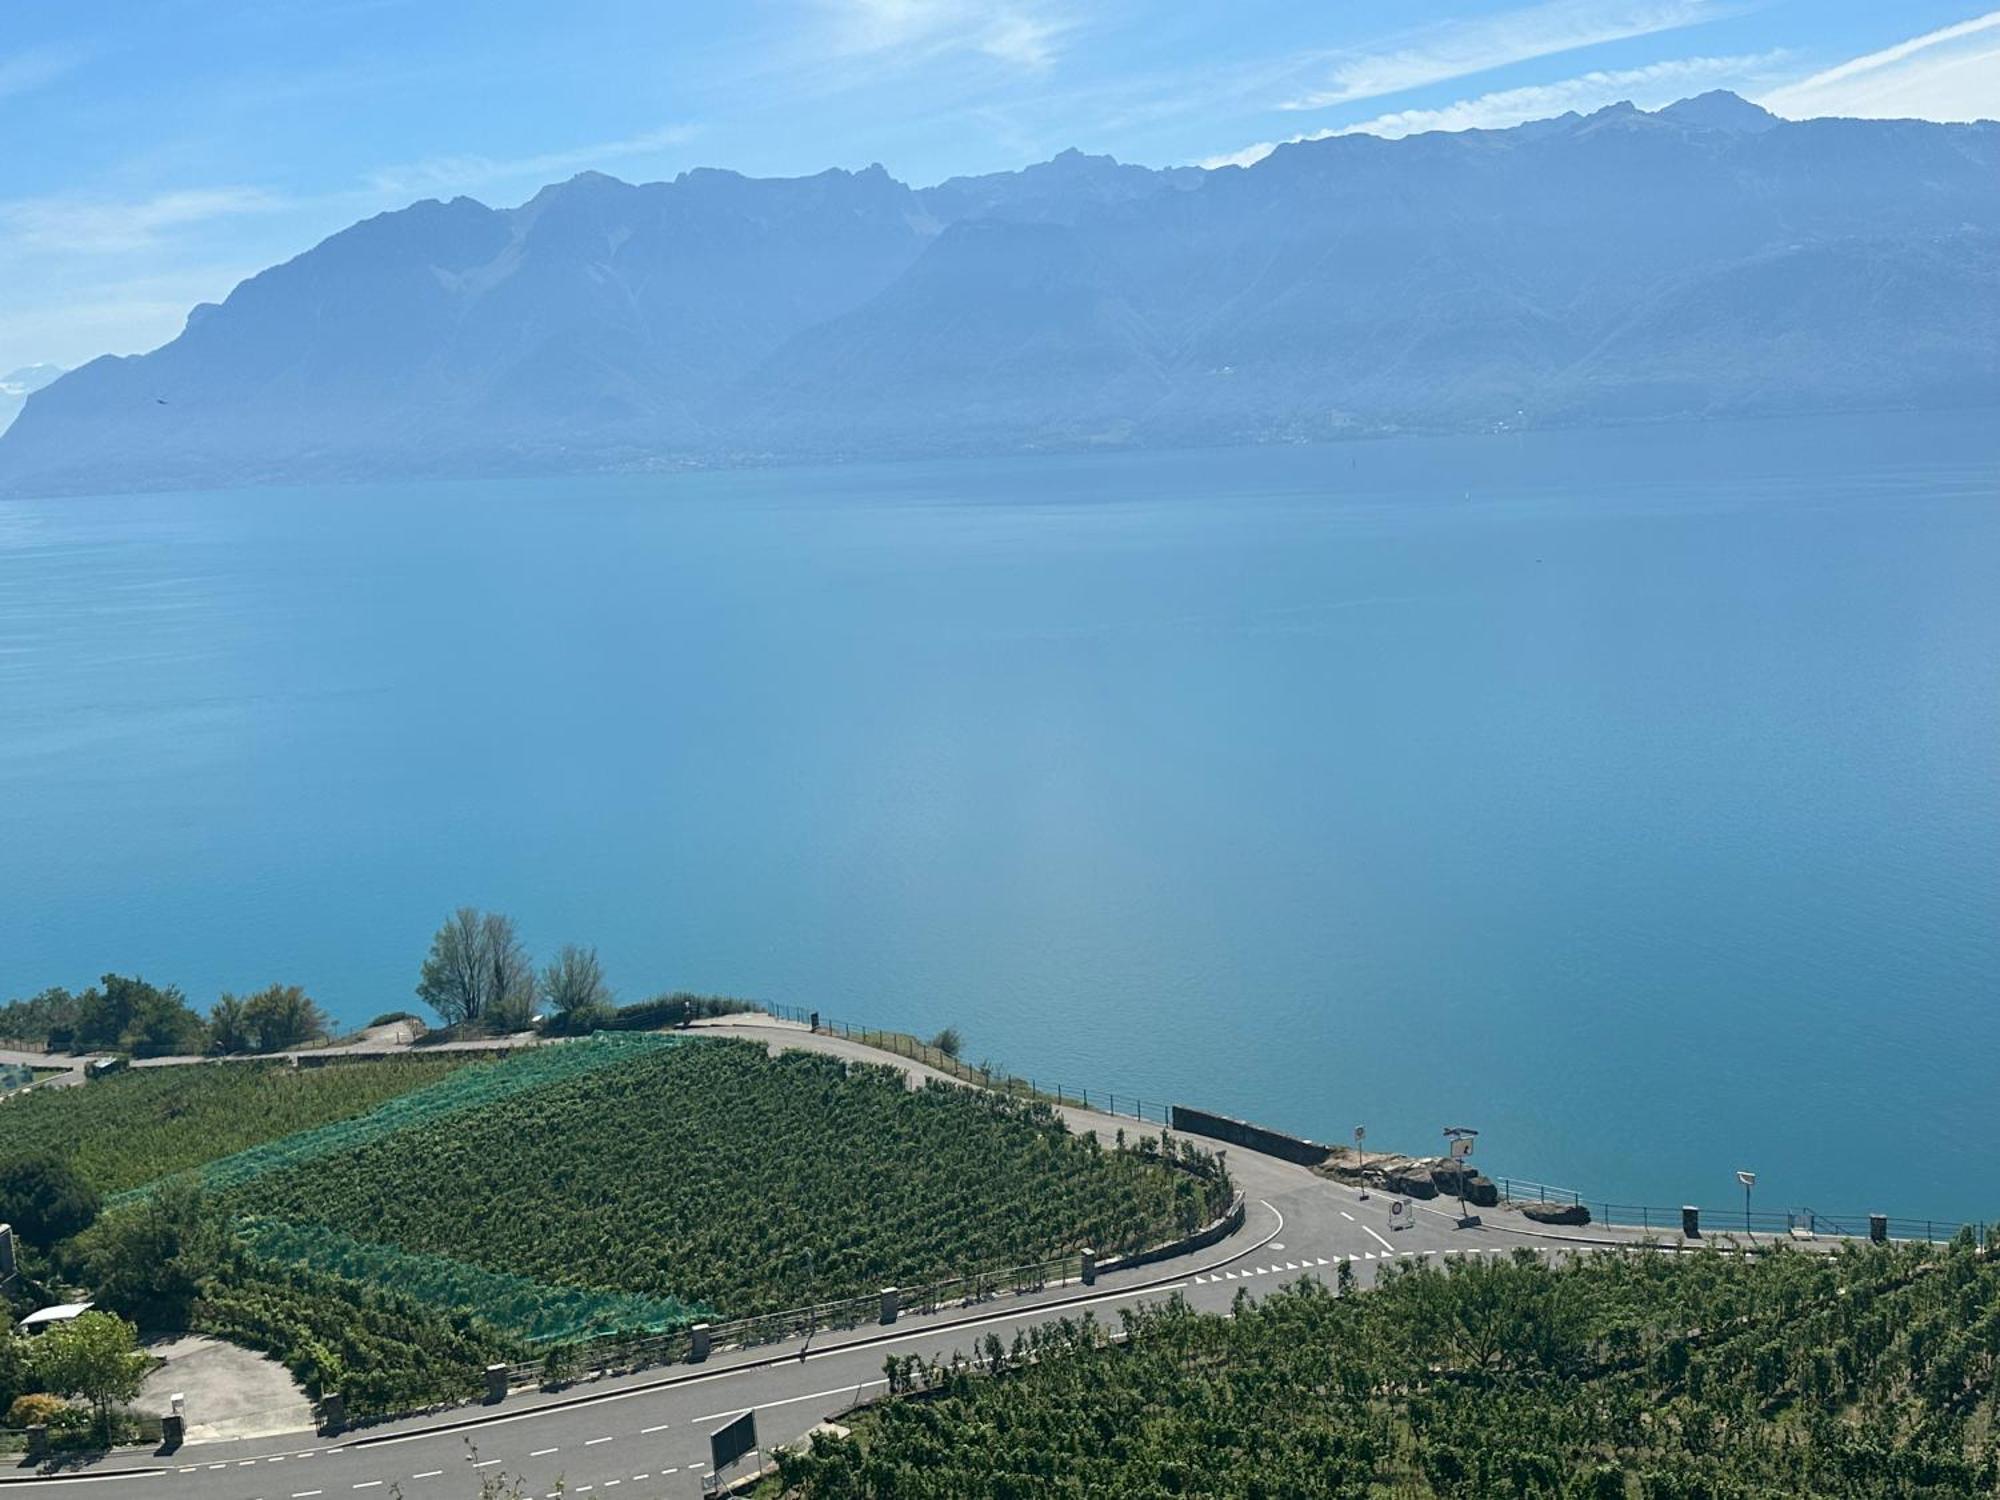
<point>126,1014</point>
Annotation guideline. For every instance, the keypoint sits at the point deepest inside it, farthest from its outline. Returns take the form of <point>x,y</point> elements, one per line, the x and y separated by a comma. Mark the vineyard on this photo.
<point>145,1123</point>
<point>1863,1374</point>
<point>712,1173</point>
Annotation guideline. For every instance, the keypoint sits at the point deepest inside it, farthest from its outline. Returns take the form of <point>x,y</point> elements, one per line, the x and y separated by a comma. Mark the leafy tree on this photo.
<point>152,1259</point>
<point>48,1018</point>
<point>477,970</point>
<point>45,1199</point>
<point>13,1363</point>
<point>94,1357</point>
<point>573,985</point>
<point>948,1041</point>
<point>229,1026</point>
<point>283,1015</point>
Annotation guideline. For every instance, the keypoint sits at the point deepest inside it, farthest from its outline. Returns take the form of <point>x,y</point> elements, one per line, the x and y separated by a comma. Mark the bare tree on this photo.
<point>573,983</point>
<point>478,971</point>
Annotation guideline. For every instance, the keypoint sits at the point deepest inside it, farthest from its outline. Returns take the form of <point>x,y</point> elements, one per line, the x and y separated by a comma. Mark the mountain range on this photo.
<point>1705,259</point>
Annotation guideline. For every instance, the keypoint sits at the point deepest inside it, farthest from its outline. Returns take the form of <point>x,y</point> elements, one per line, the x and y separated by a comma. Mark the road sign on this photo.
<point>1748,1179</point>
<point>731,1441</point>
<point>1399,1214</point>
<point>1462,1146</point>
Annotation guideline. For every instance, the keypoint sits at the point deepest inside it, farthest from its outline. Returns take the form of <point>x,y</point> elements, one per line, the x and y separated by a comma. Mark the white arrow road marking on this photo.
<point>1377,1238</point>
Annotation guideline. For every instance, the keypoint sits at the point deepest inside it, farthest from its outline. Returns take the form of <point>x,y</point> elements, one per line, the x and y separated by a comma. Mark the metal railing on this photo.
<point>1525,1190</point>
<point>1775,1222</point>
<point>1126,1102</point>
<point>615,1355</point>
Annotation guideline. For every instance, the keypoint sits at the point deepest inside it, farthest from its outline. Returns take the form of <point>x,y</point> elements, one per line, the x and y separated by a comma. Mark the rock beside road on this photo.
<point>1411,1176</point>
<point>1556,1213</point>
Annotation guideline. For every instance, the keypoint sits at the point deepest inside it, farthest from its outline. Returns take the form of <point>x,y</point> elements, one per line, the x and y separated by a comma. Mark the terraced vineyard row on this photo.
<point>1865,1374</point>
<point>135,1127</point>
<point>716,1174</point>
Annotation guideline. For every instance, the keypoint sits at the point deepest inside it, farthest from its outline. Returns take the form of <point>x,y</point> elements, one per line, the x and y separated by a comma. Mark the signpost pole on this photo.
<point>1361,1157</point>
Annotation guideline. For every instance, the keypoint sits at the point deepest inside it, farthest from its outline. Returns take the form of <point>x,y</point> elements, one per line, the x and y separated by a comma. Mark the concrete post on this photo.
<point>891,1304</point>
<point>38,1442</point>
<point>698,1343</point>
<point>173,1431</point>
<point>496,1384</point>
<point>1090,1267</point>
<point>1690,1221</point>
<point>1878,1228</point>
<point>332,1413</point>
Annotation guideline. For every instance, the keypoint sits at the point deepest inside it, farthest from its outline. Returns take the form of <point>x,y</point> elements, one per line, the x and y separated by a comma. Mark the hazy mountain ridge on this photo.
<point>1707,259</point>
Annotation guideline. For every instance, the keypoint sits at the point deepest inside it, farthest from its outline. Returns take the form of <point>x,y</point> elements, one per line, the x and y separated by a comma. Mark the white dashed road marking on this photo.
<point>661,1428</point>
<point>1347,1216</point>
<point>369,1484</point>
<point>544,1452</point>
<point>428,1474</point>
<point>593,1442</point>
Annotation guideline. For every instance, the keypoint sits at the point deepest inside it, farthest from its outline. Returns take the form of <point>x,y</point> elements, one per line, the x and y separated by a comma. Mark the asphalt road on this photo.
<point>647,1435</point>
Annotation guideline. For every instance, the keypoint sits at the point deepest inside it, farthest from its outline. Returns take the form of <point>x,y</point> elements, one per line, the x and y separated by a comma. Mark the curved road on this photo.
<point>647,1435</point>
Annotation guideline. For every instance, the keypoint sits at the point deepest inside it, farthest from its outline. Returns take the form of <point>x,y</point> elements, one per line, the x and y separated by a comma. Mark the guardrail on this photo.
<point>619,1356</point>
<point>1773,1222</point>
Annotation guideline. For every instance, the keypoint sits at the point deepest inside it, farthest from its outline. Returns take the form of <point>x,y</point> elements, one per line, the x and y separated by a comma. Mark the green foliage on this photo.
<point>130,1015</point>
<point>705,1172</point>
<point>467,1089</point>
<point>663,1011</point>
<point>43,1196</point>
<point>94,1357</point>
<point>521,1308</point>
<point>390,1017</point>
<point>381,1351</point>
<point>40,1019</point>
<point>281,1016</point>
<point>1866,1373</point>
<point>477,971</point>
<point>148,1122</point>
<point>152,1258</point>
<point>949,1042</point>
<point>574,988</point>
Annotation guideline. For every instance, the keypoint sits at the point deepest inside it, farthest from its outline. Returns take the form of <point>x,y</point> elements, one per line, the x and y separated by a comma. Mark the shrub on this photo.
<point>45,1199</point>
<point>37,1409</point>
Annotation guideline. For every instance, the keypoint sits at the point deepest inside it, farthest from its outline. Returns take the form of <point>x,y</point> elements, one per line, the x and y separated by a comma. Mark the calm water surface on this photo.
<point>1633,796</point>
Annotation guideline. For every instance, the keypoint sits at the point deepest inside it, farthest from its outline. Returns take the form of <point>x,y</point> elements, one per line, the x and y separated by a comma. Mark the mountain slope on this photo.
<point>1705,259</point>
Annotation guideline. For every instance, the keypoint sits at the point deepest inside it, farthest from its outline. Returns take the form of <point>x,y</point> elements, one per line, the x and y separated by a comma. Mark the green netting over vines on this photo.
<point>469,1088</point>
<point>530,1310</point>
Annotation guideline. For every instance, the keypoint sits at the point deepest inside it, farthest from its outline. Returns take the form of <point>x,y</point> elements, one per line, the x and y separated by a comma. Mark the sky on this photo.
<point>153,155</point>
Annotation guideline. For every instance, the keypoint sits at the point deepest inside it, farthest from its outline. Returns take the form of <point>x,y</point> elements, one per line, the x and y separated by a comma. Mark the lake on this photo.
<point>1633,796</point>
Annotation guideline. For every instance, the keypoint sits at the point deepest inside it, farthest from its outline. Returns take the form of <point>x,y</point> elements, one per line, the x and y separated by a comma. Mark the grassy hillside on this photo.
<point>1869,1373</point>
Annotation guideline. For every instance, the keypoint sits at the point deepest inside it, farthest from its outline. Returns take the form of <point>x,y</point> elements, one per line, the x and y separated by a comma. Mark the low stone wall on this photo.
<point>1201,1239</point>
<point>1254,1137</point>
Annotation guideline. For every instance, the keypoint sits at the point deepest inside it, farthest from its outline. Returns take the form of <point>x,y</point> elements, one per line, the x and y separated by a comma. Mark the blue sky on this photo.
<point>156,153</point>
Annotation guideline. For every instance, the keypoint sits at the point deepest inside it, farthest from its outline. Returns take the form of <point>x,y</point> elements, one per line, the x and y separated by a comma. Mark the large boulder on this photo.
<point>1556,1213</point>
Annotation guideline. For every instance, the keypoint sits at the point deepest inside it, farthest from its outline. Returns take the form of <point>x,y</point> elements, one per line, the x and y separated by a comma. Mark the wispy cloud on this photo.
<point>1648,87</point>
<point>1456,49</point>
<point>1952,73</point>
<point>1025,36</point>
<point>24,72</point>
<point>439,174</point>
<point>101,225</point>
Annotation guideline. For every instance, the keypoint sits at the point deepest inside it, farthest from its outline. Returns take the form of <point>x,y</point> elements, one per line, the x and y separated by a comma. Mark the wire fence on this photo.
<point>1129,1103</point>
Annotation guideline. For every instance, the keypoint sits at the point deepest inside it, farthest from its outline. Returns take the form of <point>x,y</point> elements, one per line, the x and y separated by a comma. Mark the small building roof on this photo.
<point>60,1314</point>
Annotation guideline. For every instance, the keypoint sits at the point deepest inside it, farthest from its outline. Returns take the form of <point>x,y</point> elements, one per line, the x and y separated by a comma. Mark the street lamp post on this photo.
<point>1360,1159</point>
<point>1749,1180</point>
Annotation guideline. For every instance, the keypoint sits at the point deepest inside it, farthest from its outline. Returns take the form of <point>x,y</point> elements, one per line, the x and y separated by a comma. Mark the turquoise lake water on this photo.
<point>1633,796</point>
